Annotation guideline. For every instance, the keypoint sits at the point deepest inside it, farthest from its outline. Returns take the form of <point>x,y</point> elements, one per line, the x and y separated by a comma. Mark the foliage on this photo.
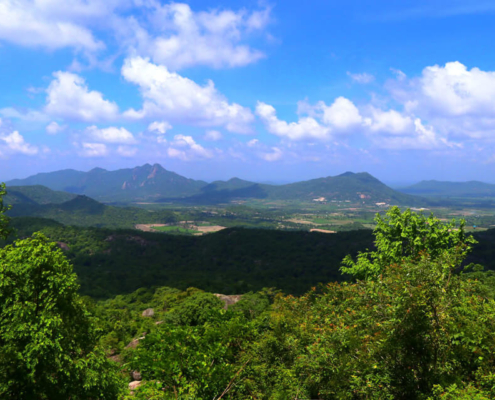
<point>48,341</point>
<point>400,236</point>
<point>4,220</point>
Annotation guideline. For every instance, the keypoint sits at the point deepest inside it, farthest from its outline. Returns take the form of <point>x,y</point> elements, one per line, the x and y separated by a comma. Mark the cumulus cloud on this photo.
<point>110,135</point>
<point>213,135</point>
<point>15,143</point>
<point>342,114</point>
<point>454,99</point>
<point>51,24</point>
<point>253,143</point>
<point>68,97</point>
<point>180,37</point>
<point>93,150</point>
<point>390,121</point>
<point>186,148</point>
<point>305,128</point>
<point>159,127</point>
<point>53,128</point>
<point>175,98</point>
<point>362,78</point>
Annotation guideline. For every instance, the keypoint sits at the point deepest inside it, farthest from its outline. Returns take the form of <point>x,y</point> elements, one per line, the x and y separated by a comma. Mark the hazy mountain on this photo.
<point>146,182</point>
<point>154,183</point>
<point>36,194</point>
<point>451,189</point>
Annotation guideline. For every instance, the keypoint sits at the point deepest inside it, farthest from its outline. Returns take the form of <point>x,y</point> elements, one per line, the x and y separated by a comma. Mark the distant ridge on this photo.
<point>155,183</point>
<point>132,184</point>
<point>451,189</point>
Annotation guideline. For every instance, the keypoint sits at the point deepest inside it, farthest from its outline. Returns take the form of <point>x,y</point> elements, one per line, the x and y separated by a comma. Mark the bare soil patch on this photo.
<point>322,231</point>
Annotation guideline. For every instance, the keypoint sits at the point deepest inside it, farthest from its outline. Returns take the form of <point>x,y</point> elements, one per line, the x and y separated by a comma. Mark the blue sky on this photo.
<point>261,90</point>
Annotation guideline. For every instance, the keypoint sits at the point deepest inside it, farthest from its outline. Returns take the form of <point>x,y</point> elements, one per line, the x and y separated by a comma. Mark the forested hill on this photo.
<point>84,211</point>
<point>235,260</point>
<point>36,194</point>
<point>155,183</point>
<point>451,189</point>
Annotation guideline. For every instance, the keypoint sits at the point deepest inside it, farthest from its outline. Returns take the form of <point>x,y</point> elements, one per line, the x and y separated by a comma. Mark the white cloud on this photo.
<point>93,150</point>
<point>213,135</point>
<point>159,127</point>
<point>126,151</point>
<point>176,98</point>
<point>53,128</point>
<point>69,97</point>
<point>305,128</point>
<point>15,143</point>
<point>252,142</point>
<point>362,78</point>
<point>28,115</point>
<point>275,155</point>
<point>342,114</point>
<point>389,121</point>
<point>454,99</point>
<point>110,135</point>
<point>183,38</point>
<point>185,148</point>
<point>49,23</point>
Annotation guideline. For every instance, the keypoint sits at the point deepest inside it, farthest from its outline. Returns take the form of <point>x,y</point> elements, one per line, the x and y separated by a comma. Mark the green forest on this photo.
<point>404,312</point>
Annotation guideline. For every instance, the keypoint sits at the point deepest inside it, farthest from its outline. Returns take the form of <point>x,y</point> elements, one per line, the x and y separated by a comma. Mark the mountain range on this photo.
<point>451,189</point>
<point>154,183</point>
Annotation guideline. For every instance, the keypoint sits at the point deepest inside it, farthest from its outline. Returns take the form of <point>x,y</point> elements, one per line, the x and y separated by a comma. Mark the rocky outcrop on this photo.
<point>228,300</point>
<point>149,312</point>
<point>134,385</point>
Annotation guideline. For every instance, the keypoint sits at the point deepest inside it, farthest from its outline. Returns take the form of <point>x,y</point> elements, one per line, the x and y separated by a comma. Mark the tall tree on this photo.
<point>48,341</point>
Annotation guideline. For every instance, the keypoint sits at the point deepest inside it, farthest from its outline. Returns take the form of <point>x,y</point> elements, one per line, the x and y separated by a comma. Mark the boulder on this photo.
<point>149,312</point>
<point>228,300</point>
<point>136,376</point>
<point>134,384</point>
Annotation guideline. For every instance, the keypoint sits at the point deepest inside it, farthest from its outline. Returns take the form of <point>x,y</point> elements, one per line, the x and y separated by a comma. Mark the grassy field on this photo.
<point>175,229</point>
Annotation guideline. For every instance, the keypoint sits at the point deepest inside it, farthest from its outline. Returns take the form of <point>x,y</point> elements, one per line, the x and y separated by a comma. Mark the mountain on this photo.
<point>156,184</point>
<point>351,186</point>
<point>36,194</point>
<point>451,189</point>
<point>348,186</point>
<point>146,182</point>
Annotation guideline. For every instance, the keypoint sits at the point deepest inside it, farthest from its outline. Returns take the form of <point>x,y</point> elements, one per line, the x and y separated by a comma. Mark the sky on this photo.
<point>262,90</point>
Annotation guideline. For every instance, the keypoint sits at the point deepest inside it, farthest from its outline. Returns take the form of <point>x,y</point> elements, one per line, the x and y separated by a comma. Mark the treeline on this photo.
<point>235,260</point>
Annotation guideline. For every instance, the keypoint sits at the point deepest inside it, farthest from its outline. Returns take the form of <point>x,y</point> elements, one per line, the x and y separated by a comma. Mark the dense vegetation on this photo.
<point>235,260</point>
<point>84,211</point>
<point>407,325</point>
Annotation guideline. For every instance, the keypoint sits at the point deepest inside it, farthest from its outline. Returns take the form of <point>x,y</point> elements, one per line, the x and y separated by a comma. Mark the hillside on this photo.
<point>154,183</point>
<point>36,194</point>
<point>451,189</point>
<point>84,211</point>
<point>348,186</point>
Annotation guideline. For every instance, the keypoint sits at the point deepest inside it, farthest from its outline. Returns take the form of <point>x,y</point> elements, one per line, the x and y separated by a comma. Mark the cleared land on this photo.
<point>185,228</point>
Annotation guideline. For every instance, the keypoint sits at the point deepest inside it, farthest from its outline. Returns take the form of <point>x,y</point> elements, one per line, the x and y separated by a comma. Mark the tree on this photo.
<point>401,236</point>
<point>4,220</point>
<point>48,340</point>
